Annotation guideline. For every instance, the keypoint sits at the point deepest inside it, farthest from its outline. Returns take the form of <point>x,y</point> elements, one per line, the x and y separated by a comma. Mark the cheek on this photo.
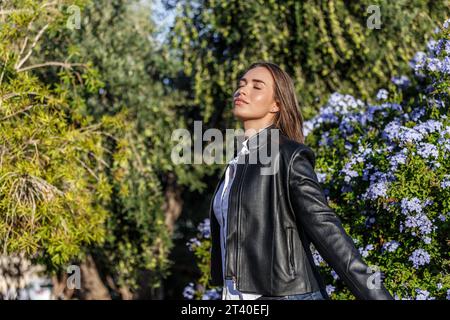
<point>260,101</point>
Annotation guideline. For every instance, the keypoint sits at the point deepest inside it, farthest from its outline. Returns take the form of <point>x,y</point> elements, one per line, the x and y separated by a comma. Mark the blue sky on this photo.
<point>163,18</point>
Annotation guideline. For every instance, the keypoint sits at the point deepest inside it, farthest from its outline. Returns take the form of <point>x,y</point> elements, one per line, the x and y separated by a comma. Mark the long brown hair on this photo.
<point>289,119</point>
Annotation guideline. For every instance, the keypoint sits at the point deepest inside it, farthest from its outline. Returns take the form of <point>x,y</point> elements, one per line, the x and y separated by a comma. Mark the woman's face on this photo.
<point>254,97</point>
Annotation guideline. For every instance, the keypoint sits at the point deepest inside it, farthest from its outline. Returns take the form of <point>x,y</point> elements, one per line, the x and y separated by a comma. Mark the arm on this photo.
<point>325,230</point>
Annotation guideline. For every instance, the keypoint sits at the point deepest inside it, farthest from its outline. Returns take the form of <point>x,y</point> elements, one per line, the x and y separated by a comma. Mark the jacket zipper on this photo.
<point>228,225</point>
<point>238,225</point>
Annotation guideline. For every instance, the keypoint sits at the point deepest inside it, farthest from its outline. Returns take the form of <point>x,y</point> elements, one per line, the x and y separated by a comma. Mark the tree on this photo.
<point>326,46</point>
<point>51,180</point>
<point>119,37</point>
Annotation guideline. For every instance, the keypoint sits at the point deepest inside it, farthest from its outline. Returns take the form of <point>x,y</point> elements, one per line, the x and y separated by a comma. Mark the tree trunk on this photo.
<point>92,287</point>
<point>173,204</point>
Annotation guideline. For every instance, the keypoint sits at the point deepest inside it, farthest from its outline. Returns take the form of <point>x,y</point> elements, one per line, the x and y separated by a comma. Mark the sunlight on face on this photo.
<point>256,89</point>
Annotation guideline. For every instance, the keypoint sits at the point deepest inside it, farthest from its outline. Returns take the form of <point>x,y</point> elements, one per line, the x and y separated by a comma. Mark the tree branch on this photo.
<point>20,111</point>
<point>16,94</point>
<point>36,39</point>
<point>6,12</point>
<point>53,63</point>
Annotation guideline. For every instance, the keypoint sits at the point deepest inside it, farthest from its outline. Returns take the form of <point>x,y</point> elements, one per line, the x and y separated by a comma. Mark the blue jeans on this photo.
<point>316,295</point>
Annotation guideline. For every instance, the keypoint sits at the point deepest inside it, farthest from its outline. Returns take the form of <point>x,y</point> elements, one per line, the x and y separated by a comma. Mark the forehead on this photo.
<point>259,73</point>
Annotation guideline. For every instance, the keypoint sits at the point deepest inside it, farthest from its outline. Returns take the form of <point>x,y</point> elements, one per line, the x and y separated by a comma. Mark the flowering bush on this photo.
<point>201,246</point>
<point>384,167</point>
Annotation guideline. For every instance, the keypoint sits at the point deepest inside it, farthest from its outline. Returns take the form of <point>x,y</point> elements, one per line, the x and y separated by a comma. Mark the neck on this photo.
<point>251,127</point>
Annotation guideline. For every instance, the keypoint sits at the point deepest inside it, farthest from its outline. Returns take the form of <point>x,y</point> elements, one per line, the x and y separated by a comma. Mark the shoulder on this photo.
<point>292,150</point>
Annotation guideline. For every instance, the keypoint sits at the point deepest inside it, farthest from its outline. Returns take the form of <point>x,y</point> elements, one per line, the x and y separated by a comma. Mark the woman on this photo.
<point>262,225</point>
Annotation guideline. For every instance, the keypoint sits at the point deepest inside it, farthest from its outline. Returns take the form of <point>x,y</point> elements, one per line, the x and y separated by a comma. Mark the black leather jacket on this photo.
<point>272,219</point>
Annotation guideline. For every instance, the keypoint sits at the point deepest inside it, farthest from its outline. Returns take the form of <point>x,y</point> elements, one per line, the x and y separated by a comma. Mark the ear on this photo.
<point>275,107</point>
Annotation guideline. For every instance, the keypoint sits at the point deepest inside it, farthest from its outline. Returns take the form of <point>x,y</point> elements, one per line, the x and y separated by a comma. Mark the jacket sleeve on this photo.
<point>325,230</point>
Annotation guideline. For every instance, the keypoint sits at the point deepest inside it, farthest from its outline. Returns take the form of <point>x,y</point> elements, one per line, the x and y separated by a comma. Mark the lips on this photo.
<point>240,101</point>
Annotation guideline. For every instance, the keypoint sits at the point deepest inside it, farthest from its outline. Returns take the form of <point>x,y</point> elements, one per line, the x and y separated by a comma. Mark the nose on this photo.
<point>240,92</point>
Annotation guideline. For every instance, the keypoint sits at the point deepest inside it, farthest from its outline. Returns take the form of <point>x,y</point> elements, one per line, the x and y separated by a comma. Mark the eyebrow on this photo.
<point>254,80</point>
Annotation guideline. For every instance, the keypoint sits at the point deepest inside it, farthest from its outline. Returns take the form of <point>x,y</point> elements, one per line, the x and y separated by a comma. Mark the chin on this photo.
<point>241,114</point>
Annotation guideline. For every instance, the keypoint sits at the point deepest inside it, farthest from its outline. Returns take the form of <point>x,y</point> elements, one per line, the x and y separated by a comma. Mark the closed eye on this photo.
<point>253,87</point>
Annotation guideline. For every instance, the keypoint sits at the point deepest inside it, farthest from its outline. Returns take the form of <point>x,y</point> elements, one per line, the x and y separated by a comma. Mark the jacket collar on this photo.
<point>254,141</point>
<point>251,142</point>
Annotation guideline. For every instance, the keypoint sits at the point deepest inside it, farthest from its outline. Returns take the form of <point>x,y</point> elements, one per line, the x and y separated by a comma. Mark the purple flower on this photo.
<point>421,222</point>
<point>321,177</point>
<point>317,258</point>
<point>379,185</point>
<point>391,130</point>
<point>445,132</point>
<point>399,158</point>
<point>415,217</point>
<point>434,64</point>
<point>445,183</point>
<point>204,228</point>
<point>401,82</point>
<point>384,108</point>
<point>411,205</point>
<point>445,65</point>
<point>447,46</point>
<point>427,150</point>
<point>376,190</point>
<point>370,221</point>
<point>349,175</point>
<point>433,47</point>
<point>382,94</point>
<point>417,114</point>
<point>192,243</point>
<point>189,291</point>
<point>308,127</point>
<point>441,45</point>
<point>428,126</point>
<point>443,217</point>
<point>325,139</point>
<point>423,295</point>
<point>330,289</point>
<point>419,258</point>
<point>357,158</point>
<point>365,251</point>
<point>334,275</point>
<point>346,125</point>
<point>409,135</point>
<point>418,62</point>
<point>426,240</point>
<point>344,102</point>
<point>446,24</point>
<point>391,246</point>
<point>438,103</point>
<point>211,294</point>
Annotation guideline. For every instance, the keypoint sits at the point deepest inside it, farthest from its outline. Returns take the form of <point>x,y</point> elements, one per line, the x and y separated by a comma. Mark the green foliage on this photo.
<point>384,167</point>
<point>118,38</point>
<point>326,46</point>
<point>50,175</point>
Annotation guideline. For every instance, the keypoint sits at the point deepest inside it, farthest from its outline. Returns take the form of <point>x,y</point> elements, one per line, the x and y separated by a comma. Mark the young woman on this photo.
<point>262,225</point>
